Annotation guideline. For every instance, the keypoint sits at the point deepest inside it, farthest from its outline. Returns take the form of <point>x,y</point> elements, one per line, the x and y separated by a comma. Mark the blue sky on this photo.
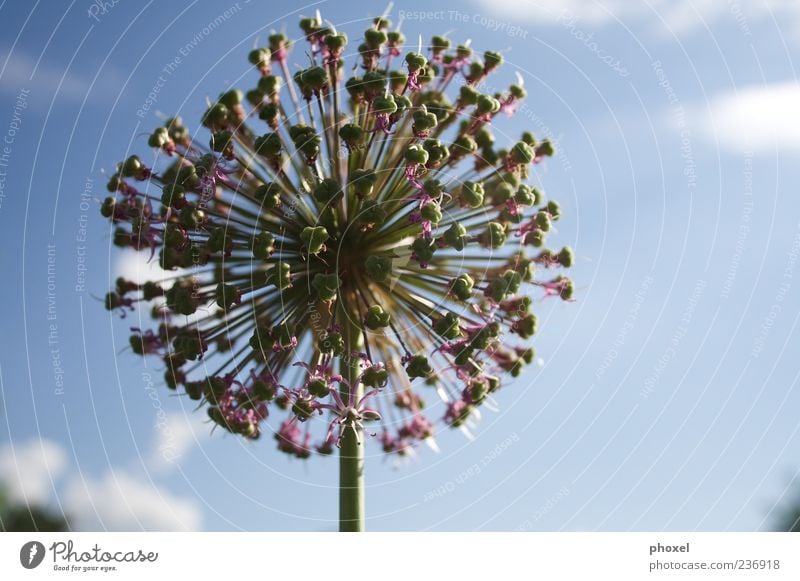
<point>667,394</point>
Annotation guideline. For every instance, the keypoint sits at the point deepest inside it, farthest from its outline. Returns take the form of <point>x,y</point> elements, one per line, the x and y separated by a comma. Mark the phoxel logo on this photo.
<point>31,554</point>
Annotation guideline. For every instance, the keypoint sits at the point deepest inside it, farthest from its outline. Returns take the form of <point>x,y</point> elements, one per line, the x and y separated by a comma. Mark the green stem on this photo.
<point>351,453</point>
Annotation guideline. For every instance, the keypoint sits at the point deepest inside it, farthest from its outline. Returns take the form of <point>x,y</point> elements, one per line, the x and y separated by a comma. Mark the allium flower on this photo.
<point>341,235</point>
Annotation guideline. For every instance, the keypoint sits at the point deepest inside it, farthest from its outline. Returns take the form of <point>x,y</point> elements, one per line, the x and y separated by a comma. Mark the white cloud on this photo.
<point>29,469</point>
<point>20,69</point>
<point>119,501</point>
<point>138,267</point>
<point>757,118</point>
<point>176,434</point>
<point>37,471</point>
<point>678,17</point>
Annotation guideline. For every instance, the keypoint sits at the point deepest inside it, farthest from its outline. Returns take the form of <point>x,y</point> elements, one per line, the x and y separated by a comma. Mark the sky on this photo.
<point>667,393</point>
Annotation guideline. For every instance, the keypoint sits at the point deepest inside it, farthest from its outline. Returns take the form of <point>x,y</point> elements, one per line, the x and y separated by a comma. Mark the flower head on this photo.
<point>343,250</point>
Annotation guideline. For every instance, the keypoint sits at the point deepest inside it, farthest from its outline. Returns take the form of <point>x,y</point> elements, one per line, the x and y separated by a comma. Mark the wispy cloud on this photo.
<point>678,17</point>
<point>20,69</point>
<point>759,118</point>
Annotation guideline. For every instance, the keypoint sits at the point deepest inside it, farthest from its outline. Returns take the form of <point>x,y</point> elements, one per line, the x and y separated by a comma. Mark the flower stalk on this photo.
<point>351,452</point>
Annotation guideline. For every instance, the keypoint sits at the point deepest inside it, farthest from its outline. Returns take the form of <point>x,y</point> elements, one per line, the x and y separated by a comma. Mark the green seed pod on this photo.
<point>270,85</point>
<point>318,387</point>
<point>326,285</point>
<point>221,141</point>
<point>464,145</point>
<point>131,167</point>
<point>180,299</point>
<point>328,191</point>
<point>269,195</point>
<point>262,245</point>
<point>423,249</point>
<point>372,213</point>
<point>173,195</point>
<point>416,154</point>
<point>423,120</point>
<point>384,104</point>
<point>375,377</point>
<point>521,153</point>
<point>472,194</point>
<point>462,287</point>
<point>280,275</point>
<point>437,152</point>
<point>487,105</point>
<point>259,57</point>
<point>377,318</point>
<point>492,60</point>
<point>226,296</point>
<point>216,116</point>
<point>418,366</point>
<point>336,42</point>
<point>262,341</point>
<point>398,80</point>
<point>379,268</point>
<point>545,149</point>
<point>432,212</point>
<point>524,196</point>
<point>484,337</point>
<point>263,390</point>
<point>278,41</point>
<point>494,237</point>
<point>566,258</point>
<point>219,240</point>
<point>543,221</point>
<point>268,145</point>
<point>525,326</point>
<point>456,236</point>
<point>567,288</point>
<point>518,92</point>
<point>231,98</point>
<point>554,209</point>
<point>362,181</point>
<point>448,326</point>
<point>415,61</point>
<point>159,138</point>
<point>332,343</point>
<point>374,38</point>
<point>314,238</point>
<point>352,135</point>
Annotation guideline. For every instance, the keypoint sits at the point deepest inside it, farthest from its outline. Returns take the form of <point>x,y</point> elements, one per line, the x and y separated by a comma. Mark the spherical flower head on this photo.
<point>328,257</point>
